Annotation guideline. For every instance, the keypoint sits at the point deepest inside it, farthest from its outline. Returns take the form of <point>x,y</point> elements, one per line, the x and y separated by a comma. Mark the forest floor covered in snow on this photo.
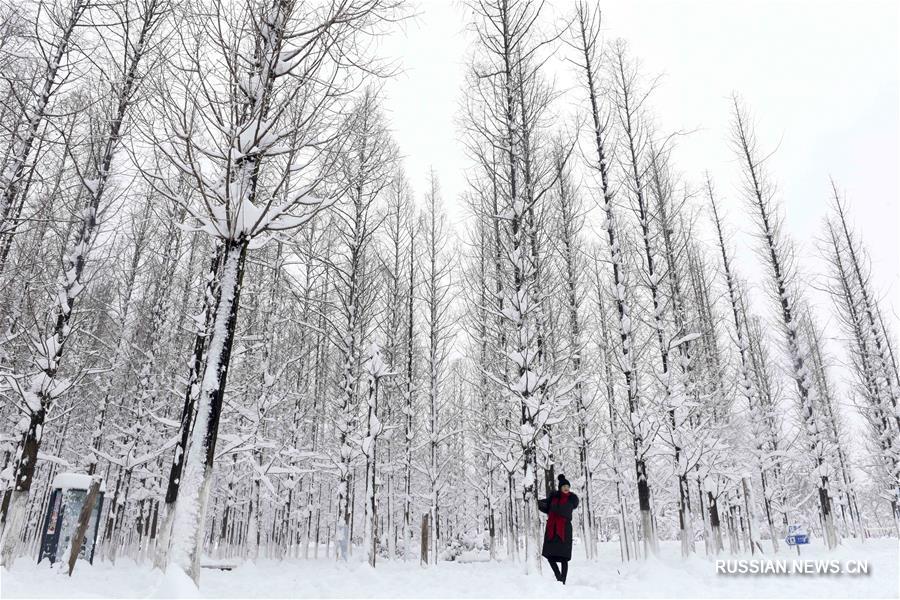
<point>662,577</point>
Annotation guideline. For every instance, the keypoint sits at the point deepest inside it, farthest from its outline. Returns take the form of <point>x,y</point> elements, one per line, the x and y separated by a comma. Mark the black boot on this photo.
<point>565,572</point>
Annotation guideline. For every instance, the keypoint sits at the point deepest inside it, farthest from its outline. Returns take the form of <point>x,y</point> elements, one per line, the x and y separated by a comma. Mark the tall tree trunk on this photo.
<point>193,498</point>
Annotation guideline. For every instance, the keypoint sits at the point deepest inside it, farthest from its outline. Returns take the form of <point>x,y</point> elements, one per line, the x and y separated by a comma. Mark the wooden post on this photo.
<point>84,520</point>
<point>423,556</point>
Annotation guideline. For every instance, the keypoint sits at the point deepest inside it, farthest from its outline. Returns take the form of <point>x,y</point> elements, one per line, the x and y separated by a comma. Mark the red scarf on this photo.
<point>556,523</point>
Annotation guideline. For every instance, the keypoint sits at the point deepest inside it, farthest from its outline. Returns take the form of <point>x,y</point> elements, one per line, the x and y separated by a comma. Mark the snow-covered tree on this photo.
<point>588,43</point>
<point>777,254</point>
<point>56,24</point>
<point>40,385</point>
<point>436,267</point>
<point>762,438</point>
<point>867,341</point>
<point>366,174</point>
<point>257,156</point>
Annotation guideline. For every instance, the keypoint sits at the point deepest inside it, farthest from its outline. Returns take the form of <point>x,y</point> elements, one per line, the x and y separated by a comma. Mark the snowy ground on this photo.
<point>667,576</point>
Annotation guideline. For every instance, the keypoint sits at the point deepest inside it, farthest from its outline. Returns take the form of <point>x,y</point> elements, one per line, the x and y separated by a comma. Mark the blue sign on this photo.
<point>797,535</point>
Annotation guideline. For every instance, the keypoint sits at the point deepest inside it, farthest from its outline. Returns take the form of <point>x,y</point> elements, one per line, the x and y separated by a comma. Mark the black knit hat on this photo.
<point>562,481</point>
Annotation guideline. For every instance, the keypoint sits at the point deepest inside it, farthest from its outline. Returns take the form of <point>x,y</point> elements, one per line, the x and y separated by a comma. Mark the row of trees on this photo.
<point>220,294</point>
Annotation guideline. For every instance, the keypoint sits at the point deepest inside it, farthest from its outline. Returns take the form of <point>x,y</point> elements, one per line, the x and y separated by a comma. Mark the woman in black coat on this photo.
<point>558,538</point>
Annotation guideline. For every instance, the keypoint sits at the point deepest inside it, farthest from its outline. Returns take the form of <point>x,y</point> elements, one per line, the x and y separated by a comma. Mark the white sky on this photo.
<point>821,79</point>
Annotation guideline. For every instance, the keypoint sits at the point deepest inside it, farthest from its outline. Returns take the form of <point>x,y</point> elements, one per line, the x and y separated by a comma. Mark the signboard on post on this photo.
<point>68,497</point>
<point>797,536</point>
